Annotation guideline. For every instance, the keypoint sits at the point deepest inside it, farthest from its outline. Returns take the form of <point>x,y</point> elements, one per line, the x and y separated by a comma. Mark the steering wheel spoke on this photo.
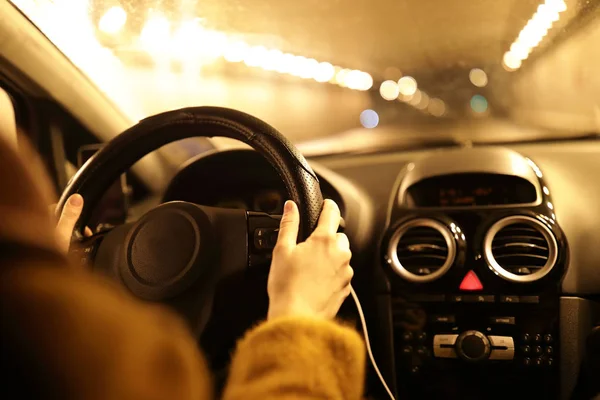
<point>263,230</point>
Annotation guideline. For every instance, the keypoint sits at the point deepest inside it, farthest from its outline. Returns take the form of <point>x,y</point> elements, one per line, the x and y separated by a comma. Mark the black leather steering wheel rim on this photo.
<point>96,176</point>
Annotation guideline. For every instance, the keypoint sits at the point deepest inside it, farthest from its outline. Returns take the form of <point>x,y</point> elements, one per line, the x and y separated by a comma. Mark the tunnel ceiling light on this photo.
<point>407,85</point>
<point>113,20</point>
<point>478,77</point>
<point>389,90</point>
<point>156,39</point>
<point>533,33</point>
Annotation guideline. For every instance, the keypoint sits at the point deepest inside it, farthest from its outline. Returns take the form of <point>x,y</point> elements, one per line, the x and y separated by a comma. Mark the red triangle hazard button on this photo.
<point>470,282</point>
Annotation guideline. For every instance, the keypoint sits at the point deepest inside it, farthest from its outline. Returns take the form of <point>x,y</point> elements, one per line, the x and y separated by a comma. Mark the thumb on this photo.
<point>69,216</point>
<point>290,222</point>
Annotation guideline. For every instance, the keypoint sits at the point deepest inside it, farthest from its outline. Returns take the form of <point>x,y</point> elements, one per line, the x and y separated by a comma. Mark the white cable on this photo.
<point>368,343</point>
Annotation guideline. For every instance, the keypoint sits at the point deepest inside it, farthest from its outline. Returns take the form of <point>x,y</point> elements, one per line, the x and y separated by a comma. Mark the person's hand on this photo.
<point>310,278</point>
<point>69,216</point>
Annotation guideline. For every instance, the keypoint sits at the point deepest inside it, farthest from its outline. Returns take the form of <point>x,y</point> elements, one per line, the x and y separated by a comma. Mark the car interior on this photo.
<point>459,139</point>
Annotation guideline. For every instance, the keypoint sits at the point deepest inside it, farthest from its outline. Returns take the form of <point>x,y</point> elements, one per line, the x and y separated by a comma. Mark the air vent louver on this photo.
<point>520,249</point>
<point>421,250</point>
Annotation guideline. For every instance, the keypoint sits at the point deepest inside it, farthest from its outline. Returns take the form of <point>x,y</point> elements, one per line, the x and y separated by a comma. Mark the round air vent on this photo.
<point>520,249</point>
<point>421,250</point>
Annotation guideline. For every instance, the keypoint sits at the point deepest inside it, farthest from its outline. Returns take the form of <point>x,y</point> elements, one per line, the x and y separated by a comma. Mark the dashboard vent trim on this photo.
<point>520,249</point>
<point>421,239</point>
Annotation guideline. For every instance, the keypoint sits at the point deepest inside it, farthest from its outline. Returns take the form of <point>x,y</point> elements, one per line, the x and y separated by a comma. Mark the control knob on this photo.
<point>473,346</point>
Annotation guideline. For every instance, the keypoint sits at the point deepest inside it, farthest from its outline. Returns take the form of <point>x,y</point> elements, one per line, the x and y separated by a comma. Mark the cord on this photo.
<point>368,343</point>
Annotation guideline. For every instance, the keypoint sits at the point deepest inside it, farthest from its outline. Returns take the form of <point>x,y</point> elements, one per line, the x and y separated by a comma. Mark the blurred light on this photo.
<point>392,74</point>
<point>156,37</point>
<point>407,85</point>
<point>423,102</point>
<point>255,56</point>
<point>478,77</point>
<point>389,90</point>
<point>533,33</point>
<point>436,107</point>
<point>156,34</point>
<point>212,43</point>
<point>286,63</point>
<point>511,62</point>
<point>113,20</point>
<point>367,81</point>
<point>236,51</point>
<point>189,31</point>
<point>479,103</point>
<point>546,190</point>
<point>369,119</point>
<point>340,77</point>
<point>404,98</point>
<point>272,60</point>
<point>358,80</point>
<point>309,68</point>
<point>324,72</point>
<point>415,98</point>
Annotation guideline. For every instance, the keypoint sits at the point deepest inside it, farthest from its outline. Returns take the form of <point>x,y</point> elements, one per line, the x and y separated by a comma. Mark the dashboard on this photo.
<point>478,268</point>
<point>238,179</point>
<point>485,269</point>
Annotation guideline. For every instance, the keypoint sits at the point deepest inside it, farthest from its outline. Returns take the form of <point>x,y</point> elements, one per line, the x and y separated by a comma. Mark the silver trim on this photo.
<point>509,276</point>
<point>502,354</point>
<point>502,341</point>
<point>392,254</point>
<point>444,340</point>
<point>484,339</point>
<point>444,352</point>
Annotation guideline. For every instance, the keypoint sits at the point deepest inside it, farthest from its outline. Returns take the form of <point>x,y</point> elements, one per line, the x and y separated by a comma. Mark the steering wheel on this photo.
<point>178,252</point>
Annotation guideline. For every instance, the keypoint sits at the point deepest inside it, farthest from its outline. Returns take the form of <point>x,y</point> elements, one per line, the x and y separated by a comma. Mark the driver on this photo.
<point>68,334</point>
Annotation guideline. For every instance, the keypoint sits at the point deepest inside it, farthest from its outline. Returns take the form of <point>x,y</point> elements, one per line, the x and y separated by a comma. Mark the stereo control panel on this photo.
<point>510,347</point>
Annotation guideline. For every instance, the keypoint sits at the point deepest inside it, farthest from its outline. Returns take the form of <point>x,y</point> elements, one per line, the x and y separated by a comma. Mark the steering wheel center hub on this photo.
<point>166,250</point>
<point>163,247</point>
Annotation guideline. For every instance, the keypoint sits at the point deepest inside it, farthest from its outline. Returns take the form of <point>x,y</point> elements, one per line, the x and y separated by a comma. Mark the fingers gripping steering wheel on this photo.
<point>179,251</point>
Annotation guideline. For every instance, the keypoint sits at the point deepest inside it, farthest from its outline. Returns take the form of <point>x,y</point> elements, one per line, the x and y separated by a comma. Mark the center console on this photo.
<point>473,257</point>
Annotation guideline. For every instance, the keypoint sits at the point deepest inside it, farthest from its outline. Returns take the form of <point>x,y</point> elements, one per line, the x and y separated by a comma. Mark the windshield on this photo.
<point>316,68</point>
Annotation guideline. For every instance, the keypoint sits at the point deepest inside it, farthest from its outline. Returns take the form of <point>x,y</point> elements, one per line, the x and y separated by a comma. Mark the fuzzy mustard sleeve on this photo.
<point>298,358</point>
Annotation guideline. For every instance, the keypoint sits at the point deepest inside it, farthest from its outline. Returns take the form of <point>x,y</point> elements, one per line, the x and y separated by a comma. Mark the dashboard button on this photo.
<point>407,350</point>
<point>526,349</point>
<point>509,299</point>
<point>550,361</point>
<point>502,320</point>
<point>502,354</point>
<point>444,352</point>
<point>265,238</point>
<point>407,336</point>
<point>537,350</point>
<point>422,351</point>
<point>537,338</point>
<point>444,340</point>
<point>526,337</point>
<point>527,361</point>
<point>443,319</point>
<point>529,299</point>
<point>549,350</point>
<point>421,337</point>
<point>548,338</point>
<point>502,341</point>
<point>539,362</point>
<point>482,298</point>
<point>458,298</point>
